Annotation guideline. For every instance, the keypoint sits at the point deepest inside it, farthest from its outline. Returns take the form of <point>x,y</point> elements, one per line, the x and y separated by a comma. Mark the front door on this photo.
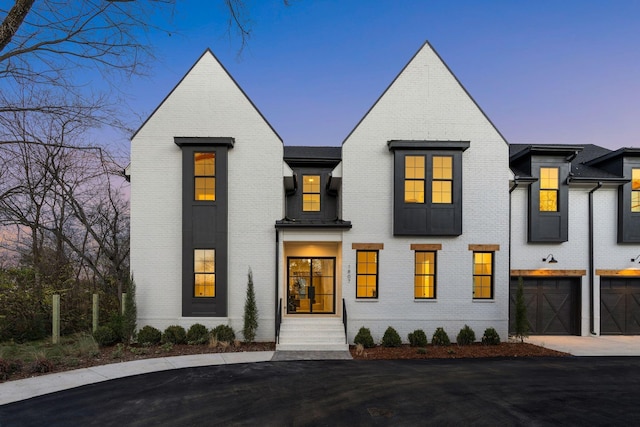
<point>311,285</point>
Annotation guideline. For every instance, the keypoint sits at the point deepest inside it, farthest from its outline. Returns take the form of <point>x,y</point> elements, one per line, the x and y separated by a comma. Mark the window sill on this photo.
<point>484,300</point>
<point>425,300</point>
<point>366,299</point>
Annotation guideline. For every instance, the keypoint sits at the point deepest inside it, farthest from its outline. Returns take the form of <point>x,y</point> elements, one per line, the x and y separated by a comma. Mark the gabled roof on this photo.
<point>425,46</point>
<point>204,54</point>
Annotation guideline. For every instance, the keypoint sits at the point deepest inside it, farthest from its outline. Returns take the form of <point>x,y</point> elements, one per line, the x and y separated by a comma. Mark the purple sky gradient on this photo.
<point>544,71</point>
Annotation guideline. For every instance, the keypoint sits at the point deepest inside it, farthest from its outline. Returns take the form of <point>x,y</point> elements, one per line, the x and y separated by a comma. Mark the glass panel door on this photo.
<point>311,285</point>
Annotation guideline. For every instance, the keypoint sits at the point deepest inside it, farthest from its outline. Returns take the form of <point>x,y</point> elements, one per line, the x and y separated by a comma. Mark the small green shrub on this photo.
<point>421,350</point>
<point>440,337</point>
<point>224,333</point>
<point>105,336</point>
<point>197,334</point>
<point>466,336</point>
<point>417,338</point>
<point>391,338</point>
<point>149,335</point>
<point>490,337</point>
<point>116,323</point>
<point>364,338</point>
<point>174,334</point>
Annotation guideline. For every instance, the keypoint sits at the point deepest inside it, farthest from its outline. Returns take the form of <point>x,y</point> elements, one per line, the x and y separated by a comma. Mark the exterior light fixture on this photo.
<point>551,260</point>
<point>636,259</point>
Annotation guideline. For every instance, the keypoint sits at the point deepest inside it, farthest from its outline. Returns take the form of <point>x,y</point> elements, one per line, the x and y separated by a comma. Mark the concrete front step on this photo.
<point>312,334</point>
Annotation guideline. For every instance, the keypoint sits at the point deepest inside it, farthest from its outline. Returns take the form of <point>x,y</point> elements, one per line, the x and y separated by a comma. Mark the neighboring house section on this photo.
<point>574,238</point>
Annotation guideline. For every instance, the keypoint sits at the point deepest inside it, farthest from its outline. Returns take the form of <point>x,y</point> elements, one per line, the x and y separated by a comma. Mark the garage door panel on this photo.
<point>619,306</point>
<point>552,305</point>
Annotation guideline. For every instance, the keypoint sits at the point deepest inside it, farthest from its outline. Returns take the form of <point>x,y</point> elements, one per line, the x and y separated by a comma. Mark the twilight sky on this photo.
<point>544,71</point>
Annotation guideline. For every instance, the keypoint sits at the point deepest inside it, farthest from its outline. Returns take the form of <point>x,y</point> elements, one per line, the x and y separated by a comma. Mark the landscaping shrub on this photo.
<point>391,338</point>
<point>417,338</point>
<point>364,337</point>
<point>8,367</point>
<point>174,334</point>
<point>223,333</point>
<point>40,366</point>
<point>440,337</point>
<point>149,335</point>
<point>250,312</point>
<point>116,323</point>
<point>105,336</point>
<point>466,336</point>
<point>490,337</point>
<point>197,334</point>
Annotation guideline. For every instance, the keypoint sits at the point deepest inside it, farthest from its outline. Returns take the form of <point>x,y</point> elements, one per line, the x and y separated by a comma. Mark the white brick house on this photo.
<point>408,224</point>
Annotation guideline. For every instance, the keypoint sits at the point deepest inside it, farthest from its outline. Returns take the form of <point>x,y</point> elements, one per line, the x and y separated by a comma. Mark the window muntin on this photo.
<point>366,274</point>
<point>442,183</point>
<point>204,271</point>
<point>204,171</point>
<point>635,190</point>
<point>549,185</point>
<point>425,275</point>
<point>483,275</point>
<point>311,193</point>
<point>414,176</point>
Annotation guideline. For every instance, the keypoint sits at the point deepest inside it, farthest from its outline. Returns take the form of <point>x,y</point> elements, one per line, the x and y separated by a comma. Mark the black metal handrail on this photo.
<point>278,321</point>
<point>344,320</point>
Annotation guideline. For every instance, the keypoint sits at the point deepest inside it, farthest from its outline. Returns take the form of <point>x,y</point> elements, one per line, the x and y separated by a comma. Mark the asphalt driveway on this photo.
<point>554,391</point>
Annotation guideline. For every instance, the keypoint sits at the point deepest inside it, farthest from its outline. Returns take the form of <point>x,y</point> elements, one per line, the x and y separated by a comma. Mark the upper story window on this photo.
<point>425,275</point>
<point>311,193</point>
<point>442,185</point>
<point>366,274</point>
<point>549,185</point>
<point>427,187</point>
<point>414,179</point>
<point>204,171</point>
<point>635,190</point>
<point>204,271</point>
<point>483,275</point>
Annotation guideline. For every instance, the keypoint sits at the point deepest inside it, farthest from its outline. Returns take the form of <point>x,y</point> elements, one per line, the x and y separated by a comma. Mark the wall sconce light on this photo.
<point>550,259</point>
<point>636,259</point>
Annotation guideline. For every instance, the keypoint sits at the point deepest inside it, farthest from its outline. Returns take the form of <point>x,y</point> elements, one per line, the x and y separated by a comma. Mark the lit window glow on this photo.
<point>366,274</point>
<point>549,185</point>
<point>414,174</point>
<point>204,168</point>
<point>204,268</point>
<point>425,275</point>
<point>311,193</point>
<point>635,190</point>
<point>483,275</point>
<point>441,186</point>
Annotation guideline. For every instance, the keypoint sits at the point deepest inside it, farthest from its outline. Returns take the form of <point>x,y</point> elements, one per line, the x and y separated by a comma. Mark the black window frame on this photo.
<point>491,275</point>
<point>434,275</point>
<point>377,273</point>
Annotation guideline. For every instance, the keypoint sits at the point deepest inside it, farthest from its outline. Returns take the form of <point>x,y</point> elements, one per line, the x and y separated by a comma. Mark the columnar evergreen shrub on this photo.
<point>250,312</point>
<point>466,336</point>
<point>417,338</point>
<point>197,334</point>
<point>440,337</point>
<point>490,337</point>
<point>364,338</point>
<point>223,333</point>
<point>149,335</point>
<point>105,336</point>
<point>391,338</point>
<point>130,315</point>
<point>116,323</point>
<point>174,334</point>
<point>521,323</point>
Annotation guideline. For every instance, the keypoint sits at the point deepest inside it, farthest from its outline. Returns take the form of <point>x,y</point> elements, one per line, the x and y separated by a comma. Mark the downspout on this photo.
<point>591,261</point>
<point>513,187</point>
<point>277,264</point>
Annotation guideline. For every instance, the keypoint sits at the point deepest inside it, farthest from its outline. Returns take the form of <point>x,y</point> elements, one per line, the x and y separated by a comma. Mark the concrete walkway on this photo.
<point>14,391</point>
<point>604,345</point>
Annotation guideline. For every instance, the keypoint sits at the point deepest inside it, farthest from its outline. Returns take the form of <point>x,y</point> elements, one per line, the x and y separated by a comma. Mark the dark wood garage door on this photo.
<point>553,305</point>
<point>619,306</point>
